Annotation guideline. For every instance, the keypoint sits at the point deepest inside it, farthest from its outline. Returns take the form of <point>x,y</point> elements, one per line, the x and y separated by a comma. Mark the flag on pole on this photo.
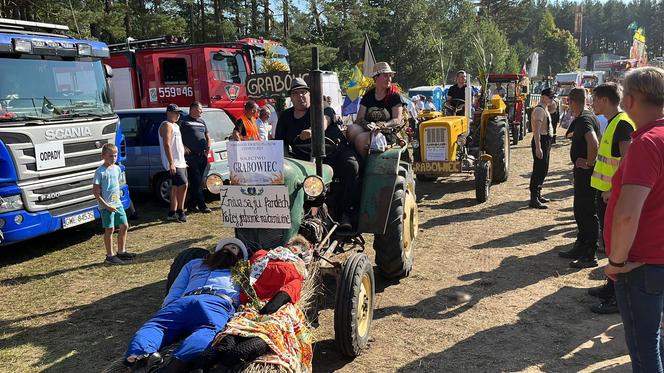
<point>367,57</point>
<point>523,69</point>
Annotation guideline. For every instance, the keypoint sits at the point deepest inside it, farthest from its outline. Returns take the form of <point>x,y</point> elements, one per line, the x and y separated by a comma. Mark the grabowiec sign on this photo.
<point>272,85</point>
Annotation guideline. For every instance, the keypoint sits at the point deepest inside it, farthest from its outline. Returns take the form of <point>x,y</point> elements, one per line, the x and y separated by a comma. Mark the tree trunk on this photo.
<point>285,6</point>
<point>218,17</point>
<point>203,30</point>
<point>254,17</point>
<point>267,17</point>
<point>127,20</point>
<point>107,6</point>
<point>316,14</point>
<point>192,30</point>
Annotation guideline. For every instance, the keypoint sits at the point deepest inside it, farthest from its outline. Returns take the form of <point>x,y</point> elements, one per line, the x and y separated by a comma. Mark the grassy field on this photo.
<point>64,311</point>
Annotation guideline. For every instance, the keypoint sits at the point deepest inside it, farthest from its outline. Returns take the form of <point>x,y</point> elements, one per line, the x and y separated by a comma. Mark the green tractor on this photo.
<point>388,210</point>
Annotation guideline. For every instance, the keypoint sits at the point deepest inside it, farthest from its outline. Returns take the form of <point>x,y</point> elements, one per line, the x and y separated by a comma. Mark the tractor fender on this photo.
<point>378,183</point>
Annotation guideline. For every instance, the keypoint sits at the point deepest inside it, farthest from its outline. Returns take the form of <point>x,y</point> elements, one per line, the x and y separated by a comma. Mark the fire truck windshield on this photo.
<point>46,89</point>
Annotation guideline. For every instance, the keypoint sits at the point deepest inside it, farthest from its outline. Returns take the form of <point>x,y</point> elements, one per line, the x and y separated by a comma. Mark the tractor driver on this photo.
<point>456,95</point>
<point>294,127</point>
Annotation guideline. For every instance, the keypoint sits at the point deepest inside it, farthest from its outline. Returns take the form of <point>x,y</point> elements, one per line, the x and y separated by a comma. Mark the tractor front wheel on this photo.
<point>497,144</point>
<point>482,180</point>
<point>353,311</point>
<point>395,249</point>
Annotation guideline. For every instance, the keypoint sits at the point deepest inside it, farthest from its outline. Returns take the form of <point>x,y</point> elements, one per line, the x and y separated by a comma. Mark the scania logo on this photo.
<point>68,133</point>
<point>47,196</point>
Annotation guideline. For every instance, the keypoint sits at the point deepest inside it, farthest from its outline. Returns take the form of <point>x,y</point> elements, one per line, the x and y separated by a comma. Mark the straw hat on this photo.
<point>381,68</point>
<point>234,241</point>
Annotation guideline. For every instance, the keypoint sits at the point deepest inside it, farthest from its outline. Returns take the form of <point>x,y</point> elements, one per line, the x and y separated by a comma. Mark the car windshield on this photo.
<point>47,89</point>
<point>219,124</point>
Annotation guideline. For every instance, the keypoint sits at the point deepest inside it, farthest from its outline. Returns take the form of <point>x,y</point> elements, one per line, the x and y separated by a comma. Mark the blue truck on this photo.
<point>55,116</point>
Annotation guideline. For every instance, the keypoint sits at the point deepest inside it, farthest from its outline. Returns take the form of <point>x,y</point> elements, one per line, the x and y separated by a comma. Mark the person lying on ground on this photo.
<point>270,328</point>
<point>200,302</point>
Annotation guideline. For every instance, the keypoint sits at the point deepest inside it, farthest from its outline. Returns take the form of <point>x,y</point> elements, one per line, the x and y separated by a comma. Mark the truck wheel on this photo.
<point>515,135</point>
<point>180,260</point>
<point>354,304</point>
<point>482,181</point>
<point>395,249</point>
<point>496,143</point>
<point>162,188</point>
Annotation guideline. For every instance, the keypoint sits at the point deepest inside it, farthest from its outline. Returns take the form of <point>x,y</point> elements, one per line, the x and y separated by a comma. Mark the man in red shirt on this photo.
<point>635,219</point>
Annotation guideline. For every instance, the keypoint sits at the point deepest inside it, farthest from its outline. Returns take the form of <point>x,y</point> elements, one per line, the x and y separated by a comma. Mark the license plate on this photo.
<point>437,168</point>
<point>78,219</point>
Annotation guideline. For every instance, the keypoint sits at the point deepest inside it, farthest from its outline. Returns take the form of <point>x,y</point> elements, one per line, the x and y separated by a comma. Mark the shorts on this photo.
<point>113,219</point>
<point>180,177</point>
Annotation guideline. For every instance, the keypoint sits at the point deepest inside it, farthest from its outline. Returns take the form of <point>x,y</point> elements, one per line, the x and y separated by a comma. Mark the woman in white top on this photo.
<point>172,157</point>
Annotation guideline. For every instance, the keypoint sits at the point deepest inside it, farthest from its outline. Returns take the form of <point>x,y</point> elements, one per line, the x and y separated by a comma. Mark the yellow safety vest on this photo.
<point>606,164</point>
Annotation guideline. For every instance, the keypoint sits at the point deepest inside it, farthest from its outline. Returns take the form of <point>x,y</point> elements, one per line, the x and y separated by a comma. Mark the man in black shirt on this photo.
<point>294,126</point>
<point>456,94</point>
<point>583,154</point>
<point>196,140</point>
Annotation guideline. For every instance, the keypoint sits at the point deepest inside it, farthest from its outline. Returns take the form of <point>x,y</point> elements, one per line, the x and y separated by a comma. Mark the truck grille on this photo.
<point>58,189</point>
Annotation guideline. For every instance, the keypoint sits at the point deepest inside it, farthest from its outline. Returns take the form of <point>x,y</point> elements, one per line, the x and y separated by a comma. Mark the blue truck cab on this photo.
<point>55,116</point>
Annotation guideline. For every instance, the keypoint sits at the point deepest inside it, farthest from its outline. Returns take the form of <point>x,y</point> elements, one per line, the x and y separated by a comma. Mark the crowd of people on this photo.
<point>618,176</point>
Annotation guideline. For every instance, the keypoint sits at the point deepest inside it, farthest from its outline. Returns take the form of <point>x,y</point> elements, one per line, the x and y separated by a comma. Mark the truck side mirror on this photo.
<point>108,70</point>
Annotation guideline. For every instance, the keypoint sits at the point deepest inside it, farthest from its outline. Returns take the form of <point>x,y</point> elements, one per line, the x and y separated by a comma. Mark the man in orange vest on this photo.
<point>245,127</point>
<point>613,146</point>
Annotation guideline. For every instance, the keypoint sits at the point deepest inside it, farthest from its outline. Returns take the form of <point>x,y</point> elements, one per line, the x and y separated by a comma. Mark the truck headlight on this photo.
<point>84,49</point>
<point>22,46</point>
<point>213,183</point>
<point>313,186</point>
<point>10,203</point>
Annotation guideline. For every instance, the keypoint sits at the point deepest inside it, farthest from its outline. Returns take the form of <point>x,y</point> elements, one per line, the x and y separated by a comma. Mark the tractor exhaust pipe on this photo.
<point>316,112</point>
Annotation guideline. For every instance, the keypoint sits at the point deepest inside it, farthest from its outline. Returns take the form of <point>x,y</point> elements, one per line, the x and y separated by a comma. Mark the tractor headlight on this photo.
<point>415,143</point>
<point>213,183</point>
<point>10,203</point>
<point>313,186</point>
<point>461,140</point>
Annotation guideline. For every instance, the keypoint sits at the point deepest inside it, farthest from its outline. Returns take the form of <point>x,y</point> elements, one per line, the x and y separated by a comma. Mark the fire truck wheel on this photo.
<point>162,188</point>
<point>496,143</point>
<point>183,258</point>
<point>354,305</point>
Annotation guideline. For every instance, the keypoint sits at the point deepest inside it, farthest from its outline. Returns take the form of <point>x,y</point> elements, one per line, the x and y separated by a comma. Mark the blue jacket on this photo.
<point>195,275</point>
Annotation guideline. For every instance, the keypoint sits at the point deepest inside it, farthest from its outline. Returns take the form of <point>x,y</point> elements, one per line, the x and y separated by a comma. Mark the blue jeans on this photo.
<point>640,296</point>
<point>196,318</point>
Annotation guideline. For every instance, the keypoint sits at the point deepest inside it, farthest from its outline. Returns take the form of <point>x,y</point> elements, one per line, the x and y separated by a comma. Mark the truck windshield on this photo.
<point>47,89</point>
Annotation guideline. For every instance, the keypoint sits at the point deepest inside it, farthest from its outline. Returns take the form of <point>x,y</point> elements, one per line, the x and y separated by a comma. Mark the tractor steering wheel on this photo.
<point>454,106</point>
<point>304,146</point>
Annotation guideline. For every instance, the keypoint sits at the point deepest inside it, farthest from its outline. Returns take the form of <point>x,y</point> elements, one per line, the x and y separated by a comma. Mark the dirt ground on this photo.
<point>64,311</point>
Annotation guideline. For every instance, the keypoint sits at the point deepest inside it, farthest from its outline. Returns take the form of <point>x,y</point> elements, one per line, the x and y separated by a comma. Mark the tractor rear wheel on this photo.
<point>180,260</point>
<point>354,305</point>
<point>496,143</point>
<point>482,181</point>
<point>395,249</point>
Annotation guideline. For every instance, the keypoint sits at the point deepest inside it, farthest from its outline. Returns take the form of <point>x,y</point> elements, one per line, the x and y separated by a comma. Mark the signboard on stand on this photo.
<point>255,206</point>
<point>256,197</point>
<point>256,162</point>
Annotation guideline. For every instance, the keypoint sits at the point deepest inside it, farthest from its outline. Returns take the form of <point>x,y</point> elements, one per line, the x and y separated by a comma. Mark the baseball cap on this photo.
<point>173,108</point>
<point>298,83</point>
<point>548,92</point>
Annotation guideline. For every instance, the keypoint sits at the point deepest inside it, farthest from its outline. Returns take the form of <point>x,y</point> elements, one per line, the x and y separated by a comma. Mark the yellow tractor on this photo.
<point>444,145</point>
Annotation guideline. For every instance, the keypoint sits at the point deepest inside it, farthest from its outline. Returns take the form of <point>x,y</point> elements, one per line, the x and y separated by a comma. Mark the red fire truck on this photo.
<point>156,72</point>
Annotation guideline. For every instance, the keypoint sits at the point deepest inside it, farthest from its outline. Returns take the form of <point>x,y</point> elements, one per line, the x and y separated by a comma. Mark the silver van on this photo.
<point>144,170</point>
